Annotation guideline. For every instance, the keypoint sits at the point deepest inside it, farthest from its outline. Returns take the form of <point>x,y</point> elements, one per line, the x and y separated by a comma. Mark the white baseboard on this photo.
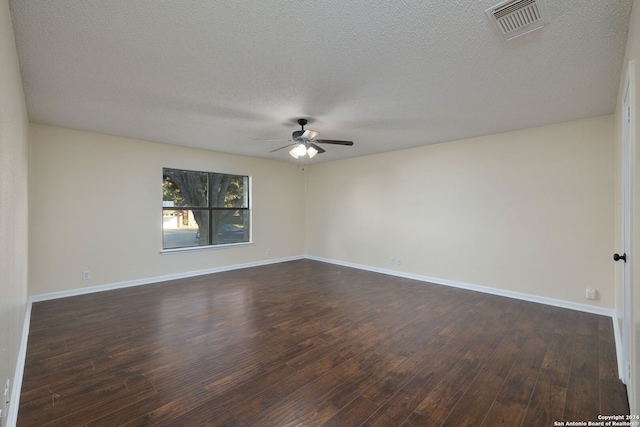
<point>14,399</point>
<point>157,279</point>
<point>478,288</point>
<point>618,339</point>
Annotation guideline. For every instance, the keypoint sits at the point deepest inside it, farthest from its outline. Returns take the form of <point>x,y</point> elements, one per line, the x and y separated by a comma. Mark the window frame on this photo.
<point>245,211</point>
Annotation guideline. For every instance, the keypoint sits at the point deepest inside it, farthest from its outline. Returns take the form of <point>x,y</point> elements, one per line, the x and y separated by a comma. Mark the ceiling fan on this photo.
<point>304,142</point>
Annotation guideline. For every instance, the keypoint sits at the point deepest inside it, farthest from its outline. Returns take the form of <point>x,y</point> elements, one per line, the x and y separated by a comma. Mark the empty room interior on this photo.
<point>320,213</point>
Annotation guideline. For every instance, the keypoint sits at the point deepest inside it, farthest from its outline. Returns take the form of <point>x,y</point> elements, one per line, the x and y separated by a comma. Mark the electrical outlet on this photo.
<point>398,261</point>
<point>392,261</point>
<point>592,294</point>
<point>268,251</point>
<point>86,275</point>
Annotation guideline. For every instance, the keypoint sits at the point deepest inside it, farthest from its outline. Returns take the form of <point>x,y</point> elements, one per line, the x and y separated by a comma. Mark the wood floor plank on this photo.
<point>613,398</point>
<point>473,406</point>
<point>400,406</point>
<point>251,410</point>
<point>512,400</point>
<point>583,393</point>
<point>306,343</point>
<point>72,406</point>
<point>354,414</point>
<point>505,414</point>
<point>339,397</point>
<point>443,398</point>
<point>547,401</point>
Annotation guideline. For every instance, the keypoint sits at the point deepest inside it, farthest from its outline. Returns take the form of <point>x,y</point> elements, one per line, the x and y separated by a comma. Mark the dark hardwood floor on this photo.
<point>305,343</point>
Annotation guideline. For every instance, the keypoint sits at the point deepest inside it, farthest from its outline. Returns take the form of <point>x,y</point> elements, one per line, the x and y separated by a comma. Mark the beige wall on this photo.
<point>96,205</point>
<point>632,54</point>
<point>13,201</point>
<point>528,211</point>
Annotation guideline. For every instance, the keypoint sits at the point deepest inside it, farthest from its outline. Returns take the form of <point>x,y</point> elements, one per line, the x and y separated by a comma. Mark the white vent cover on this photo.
<point>517,17</point>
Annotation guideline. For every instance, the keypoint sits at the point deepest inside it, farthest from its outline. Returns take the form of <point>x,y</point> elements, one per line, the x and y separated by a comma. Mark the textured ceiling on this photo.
<point>387,75</point>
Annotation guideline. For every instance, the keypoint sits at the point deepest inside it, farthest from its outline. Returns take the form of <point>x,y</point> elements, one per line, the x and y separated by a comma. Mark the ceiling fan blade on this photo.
<point>309,134</point>
<point>320,149</point>
<point>288,145</point>
<point>334,141</point>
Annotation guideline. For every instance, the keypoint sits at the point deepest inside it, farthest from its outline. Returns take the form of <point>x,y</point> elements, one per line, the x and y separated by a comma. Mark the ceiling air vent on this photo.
<point>517,17</point>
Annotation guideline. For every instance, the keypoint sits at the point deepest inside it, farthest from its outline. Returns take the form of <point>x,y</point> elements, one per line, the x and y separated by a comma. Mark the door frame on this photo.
<point>627,132</point>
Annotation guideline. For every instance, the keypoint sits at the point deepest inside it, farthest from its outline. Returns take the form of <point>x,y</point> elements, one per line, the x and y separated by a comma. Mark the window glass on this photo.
<point>229,191</point>
<point>184,228</point>
<point>204,208</point>
<point>184,188</point>
<point>231,226</point>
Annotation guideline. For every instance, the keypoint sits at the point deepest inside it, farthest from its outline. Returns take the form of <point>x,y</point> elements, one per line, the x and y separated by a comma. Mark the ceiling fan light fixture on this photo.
<point>304,143</point>
<point>301,149</point>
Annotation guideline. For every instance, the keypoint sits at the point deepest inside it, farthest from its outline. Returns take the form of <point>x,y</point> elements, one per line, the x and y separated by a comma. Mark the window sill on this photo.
<point>203,248</point>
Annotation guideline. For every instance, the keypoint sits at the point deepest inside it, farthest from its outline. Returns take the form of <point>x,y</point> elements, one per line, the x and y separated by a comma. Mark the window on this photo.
<point>204,209</point>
